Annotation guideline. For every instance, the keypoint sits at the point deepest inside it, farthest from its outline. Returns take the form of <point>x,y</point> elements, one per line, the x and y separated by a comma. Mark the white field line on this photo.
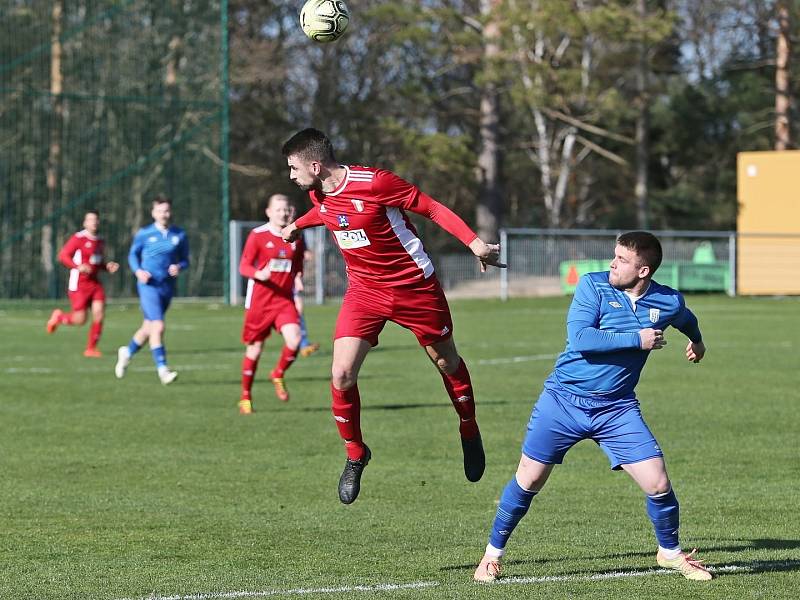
<point>232,366</point>
<point>388,587</point>
<point>380,587</point>
<point>514,359</point>
<point>138,369</point>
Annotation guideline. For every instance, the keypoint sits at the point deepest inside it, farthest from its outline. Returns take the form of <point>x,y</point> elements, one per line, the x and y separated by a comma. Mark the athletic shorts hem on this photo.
<point>618,466</point>
<point>541,460</point>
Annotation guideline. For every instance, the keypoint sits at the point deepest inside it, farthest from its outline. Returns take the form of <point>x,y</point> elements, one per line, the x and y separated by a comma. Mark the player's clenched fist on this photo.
<point>290,233</point>
<point>695,351</point>
<point>652,339</point>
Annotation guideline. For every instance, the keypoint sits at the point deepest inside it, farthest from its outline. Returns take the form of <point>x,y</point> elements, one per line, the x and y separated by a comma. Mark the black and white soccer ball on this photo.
<point>324,20</point>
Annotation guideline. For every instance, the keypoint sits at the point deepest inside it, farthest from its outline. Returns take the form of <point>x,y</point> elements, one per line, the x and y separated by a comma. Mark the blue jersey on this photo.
<point>154,250</point>
<point>603,357</point>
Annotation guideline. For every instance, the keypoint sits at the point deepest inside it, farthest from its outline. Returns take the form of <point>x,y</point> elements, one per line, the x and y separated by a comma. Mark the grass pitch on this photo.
<point>127,489</point>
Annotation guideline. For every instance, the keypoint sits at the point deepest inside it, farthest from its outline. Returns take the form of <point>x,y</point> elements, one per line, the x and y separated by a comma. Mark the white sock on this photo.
<point>670,554</point>
<point>494,552</point>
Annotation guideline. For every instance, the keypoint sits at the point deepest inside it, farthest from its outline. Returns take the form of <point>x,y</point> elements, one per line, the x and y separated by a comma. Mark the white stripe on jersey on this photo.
<point>411,243</point>
<point>250,285</point>
<point>360,176</point>
<point>74,274</point>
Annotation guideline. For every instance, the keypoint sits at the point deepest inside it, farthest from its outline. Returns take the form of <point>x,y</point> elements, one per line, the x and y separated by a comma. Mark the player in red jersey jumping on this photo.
<point>271,265</point>
<point>390,278</point>
<point>83,255</point>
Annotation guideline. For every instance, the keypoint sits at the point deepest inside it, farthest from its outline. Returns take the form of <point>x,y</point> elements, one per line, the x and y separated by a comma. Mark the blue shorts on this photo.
<point>154,298</point>
<point>561,419</point>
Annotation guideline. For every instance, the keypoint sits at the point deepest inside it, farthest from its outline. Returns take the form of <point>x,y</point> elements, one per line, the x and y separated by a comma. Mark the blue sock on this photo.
<point>159,356</point>
<point>514,503</point>
<point>133,347</point>
<point>303,333</point>
<point>664,513</point>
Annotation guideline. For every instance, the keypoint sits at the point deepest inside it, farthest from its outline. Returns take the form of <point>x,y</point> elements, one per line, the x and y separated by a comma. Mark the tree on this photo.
<point>782,77</point>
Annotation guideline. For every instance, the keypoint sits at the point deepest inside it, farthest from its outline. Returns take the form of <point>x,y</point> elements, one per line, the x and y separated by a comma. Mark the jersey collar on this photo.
<point>342,183</point>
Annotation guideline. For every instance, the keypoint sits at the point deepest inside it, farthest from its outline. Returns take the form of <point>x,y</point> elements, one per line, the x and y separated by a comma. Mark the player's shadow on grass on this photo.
<point>728,567</point>
<point>394,348</point>
<point>264,382</point>
<point>195,351</point>
<point>390,407</point>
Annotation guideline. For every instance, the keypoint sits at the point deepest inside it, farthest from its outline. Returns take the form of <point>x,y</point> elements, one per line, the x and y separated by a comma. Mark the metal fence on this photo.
<point>549,261</point>
<point>541,262</point>
<point>103,105</point>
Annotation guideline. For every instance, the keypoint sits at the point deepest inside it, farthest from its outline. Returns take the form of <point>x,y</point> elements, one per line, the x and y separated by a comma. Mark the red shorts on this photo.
<point>87,292</point>
<point>421,307</point>
<point>259,321</point>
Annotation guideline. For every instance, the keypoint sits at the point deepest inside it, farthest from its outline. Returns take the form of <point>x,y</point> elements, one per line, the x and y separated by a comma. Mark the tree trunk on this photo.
<point>54,155</point>
<point>490,204</point>
<point>782,90</point>
<point>641,188</point>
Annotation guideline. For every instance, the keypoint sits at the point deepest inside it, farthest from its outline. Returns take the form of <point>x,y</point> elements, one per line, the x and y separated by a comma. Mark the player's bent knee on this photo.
<point>659,487</point>
<point>447,364</point>
<point>342,378</point>
<point>531,474</point>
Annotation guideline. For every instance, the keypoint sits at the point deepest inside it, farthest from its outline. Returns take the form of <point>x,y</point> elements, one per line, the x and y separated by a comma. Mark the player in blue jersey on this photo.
<point>615,320</point>
<point>159,252</point>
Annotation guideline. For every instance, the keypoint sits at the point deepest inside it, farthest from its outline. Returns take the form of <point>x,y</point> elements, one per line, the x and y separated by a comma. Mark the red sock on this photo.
<point>65,319</point>
<point>346,408</point>
<point>459,388</point>
<point>94,334</point>
<point>249,367</point>
<point>284,362</point>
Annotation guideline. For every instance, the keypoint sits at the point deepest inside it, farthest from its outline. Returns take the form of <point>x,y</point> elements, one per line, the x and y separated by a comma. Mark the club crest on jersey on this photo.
<point>358,205</point>
<point>282,253</point>
<point>654,314</point>
<point>175,240</point>
<point>343,222</point>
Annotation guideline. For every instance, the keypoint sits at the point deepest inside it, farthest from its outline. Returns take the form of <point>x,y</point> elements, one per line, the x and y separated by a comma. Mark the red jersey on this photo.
<point>264,248</point>
<point>83,249</point>
<point>366,215</point>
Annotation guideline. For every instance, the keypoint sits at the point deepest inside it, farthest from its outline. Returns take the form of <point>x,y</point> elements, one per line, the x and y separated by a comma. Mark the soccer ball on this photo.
<point>324,20</point>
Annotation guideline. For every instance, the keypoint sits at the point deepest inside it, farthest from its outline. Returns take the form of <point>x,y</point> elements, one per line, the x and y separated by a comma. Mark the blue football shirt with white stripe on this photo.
<point>603,320</point>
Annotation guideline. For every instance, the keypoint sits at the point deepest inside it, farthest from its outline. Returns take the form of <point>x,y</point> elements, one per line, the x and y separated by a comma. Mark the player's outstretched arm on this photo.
<point>487,254</point>
<point>292,231</point>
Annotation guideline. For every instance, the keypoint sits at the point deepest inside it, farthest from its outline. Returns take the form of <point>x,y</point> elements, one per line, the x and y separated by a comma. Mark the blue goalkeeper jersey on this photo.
<point>154,250</point>
<point>603,357</point>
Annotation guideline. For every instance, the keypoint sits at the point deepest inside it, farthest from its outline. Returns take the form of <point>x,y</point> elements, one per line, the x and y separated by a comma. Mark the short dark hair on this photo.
<point>272,197</point>
<point>310,144</point>
<point>161,199</point>
<point>92,211</point>
<point>646,246</point>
